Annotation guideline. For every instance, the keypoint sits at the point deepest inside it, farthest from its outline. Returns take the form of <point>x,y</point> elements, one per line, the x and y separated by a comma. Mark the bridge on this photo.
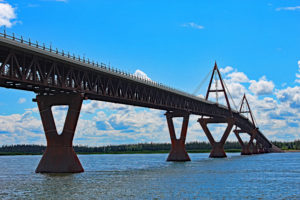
<point>59,78</point>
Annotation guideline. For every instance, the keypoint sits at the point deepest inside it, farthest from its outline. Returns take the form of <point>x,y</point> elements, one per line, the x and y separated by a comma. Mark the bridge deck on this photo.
<point>28,66</point>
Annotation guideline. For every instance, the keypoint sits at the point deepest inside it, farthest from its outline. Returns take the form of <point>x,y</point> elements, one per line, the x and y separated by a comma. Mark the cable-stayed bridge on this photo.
<point>59,78</point>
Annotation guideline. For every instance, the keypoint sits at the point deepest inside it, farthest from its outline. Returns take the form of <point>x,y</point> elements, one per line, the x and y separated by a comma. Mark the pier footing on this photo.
<point>59,156</point>
<point>178,152</point>
<point>217,147</point>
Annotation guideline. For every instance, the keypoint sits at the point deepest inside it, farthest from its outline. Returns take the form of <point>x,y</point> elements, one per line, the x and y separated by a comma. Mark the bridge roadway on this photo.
<point>28,66</point>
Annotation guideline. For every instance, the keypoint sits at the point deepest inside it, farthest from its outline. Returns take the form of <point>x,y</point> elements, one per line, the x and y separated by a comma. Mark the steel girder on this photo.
<point>24,69</point>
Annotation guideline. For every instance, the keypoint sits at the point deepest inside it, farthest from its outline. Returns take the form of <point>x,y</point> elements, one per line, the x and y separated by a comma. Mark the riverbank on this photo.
<point>120,152</point>
<point>142,148</point>
<point>291,151</point>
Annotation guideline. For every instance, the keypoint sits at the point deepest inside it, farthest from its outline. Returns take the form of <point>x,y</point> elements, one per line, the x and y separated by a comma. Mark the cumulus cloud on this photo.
<point>238,77</point>
<point>103,123</point>
<point>297,74</point>
<point>262,87</point>
<point>290,95</point>
<point>236,90</point>
<point>193,25</point>
<point>288,8</point>
<point>141,74</point>
<point>226,69</point>
<point>7,15</point>
<point>20,128</point>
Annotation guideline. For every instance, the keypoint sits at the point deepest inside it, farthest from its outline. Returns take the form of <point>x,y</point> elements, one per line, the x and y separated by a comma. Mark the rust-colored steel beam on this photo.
<point>246,103</point>
<point>59,156</point>
<point>254,148</point>
<point>178,152</point>
<point>217,147</point>
<point>32,68</point>
<point>246,148</point>
<point>216,90</point>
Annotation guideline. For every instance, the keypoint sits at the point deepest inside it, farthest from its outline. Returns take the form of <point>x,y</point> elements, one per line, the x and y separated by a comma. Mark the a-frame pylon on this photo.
<point>216,73</point>
<point>245,104</point>
<point>245,108</point>
<point>217,147</point>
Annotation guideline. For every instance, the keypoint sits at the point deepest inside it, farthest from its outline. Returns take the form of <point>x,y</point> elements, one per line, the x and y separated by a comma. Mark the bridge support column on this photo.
<point>261,149</point>
<point>217,147</point>
<point>59,156</point>
<point>246,147</point>
<point>178,152</point>
<point>254,148</point>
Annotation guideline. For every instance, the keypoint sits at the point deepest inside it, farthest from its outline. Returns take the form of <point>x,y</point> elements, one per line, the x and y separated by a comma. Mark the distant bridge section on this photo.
<point>52,74</point>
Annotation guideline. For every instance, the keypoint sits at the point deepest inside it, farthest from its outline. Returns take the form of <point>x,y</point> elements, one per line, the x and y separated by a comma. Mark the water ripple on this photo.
<point>266,176</point>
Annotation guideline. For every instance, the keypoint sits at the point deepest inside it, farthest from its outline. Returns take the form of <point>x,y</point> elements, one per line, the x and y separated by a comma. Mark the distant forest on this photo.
<point>136,148</point>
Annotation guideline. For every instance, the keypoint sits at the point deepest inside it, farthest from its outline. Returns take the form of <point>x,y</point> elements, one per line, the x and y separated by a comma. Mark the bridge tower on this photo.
<point>217,147</point>
<point>59,156</point>
<point>245,108</point>
<point>178,152</point>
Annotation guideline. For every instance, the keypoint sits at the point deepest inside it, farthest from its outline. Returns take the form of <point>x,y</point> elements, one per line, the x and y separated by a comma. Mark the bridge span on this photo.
<point>59,78</point>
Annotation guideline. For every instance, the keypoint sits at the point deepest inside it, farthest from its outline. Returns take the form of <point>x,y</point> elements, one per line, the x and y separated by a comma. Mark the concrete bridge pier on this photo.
<point>254,148</point>
<point>261,150</point>
<point>59,156</point>
<point>245,146</point>
<point>248,148</point>
<point>217,147</point>
<point>178,152</point>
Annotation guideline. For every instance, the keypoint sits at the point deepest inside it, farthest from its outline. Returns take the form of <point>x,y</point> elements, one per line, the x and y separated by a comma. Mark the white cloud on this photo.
<point>290,95</point>
<point>141,74</point>
<point>261,87</point>
<point>103,123</point>
<point>298,75</point>
<point>7,14</point>
<point>21,100</point>
<point>21,128</point>
<point>238,77</point>
<point>236,90</point>
<point>193,25</point>
<point>226,69</point>
<point>288,8</point>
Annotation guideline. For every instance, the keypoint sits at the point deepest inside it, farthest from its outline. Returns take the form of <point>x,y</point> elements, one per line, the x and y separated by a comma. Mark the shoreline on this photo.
<point>140,152</point>
<point>291,151</point>
<point>124,152</point>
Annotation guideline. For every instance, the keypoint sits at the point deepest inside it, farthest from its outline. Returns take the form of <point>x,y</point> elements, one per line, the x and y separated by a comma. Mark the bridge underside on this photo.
<point>60,157</point>
<point>60,79</point>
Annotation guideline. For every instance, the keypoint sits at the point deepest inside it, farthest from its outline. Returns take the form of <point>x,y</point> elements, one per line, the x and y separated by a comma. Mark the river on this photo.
<point>149,176</point>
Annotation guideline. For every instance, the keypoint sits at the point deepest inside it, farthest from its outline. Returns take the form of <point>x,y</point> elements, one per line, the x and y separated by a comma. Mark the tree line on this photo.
<point>295,145</point>
<point>137,148</point>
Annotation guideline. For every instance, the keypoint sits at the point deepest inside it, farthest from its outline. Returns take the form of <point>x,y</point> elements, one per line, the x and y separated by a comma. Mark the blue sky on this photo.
<point>256,43</point>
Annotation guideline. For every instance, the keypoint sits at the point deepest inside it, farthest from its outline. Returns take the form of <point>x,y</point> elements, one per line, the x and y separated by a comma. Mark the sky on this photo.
<point>256,44</point>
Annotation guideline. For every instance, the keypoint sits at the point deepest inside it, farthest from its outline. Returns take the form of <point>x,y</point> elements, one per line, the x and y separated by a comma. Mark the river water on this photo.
<point>149,176</point>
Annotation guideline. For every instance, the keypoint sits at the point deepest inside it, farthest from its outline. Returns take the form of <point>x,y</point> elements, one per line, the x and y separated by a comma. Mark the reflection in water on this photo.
<point>148,176</point>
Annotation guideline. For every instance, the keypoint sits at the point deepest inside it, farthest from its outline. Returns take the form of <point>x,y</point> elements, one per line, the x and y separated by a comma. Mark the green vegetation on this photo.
<point>295,145</point>
<point>192,147</point>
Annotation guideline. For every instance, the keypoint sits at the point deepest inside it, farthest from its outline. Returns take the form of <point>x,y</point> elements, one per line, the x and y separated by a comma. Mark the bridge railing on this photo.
<point>101,65</point>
